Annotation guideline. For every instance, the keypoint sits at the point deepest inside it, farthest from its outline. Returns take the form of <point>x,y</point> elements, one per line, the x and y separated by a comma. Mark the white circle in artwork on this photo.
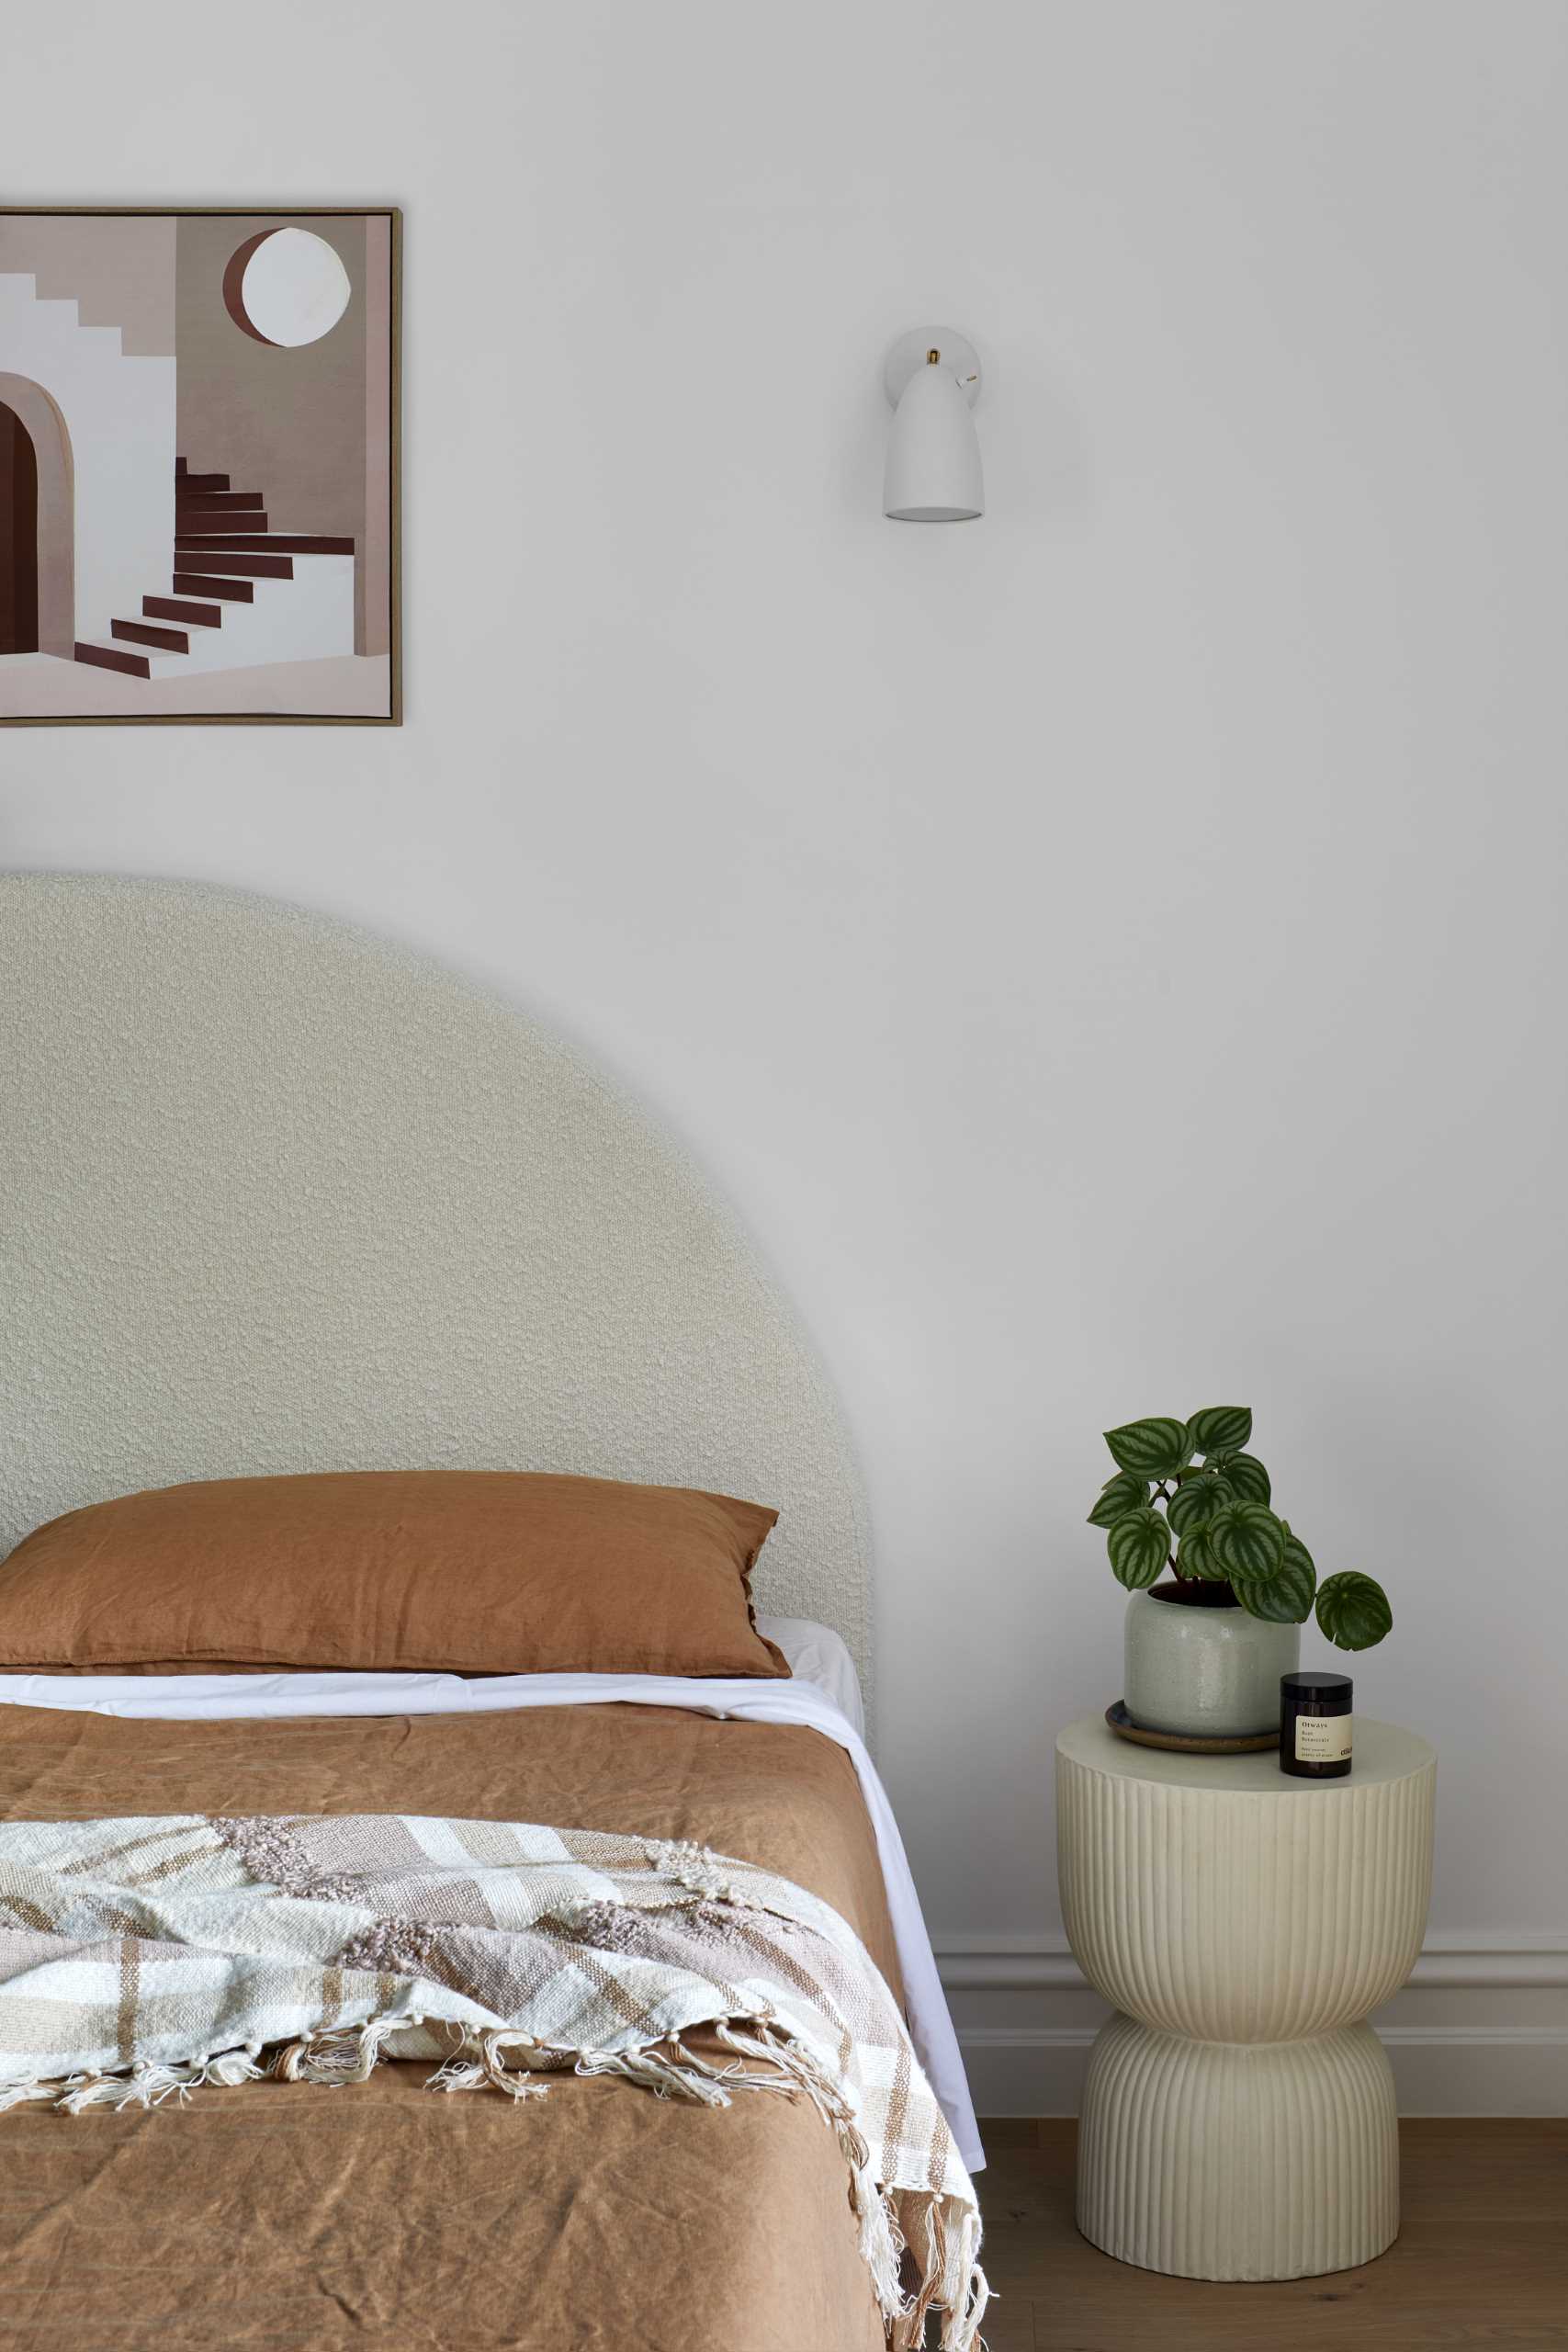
<point>295,288</point>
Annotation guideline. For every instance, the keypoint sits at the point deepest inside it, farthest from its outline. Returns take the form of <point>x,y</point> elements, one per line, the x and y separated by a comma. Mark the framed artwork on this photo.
<point>199,467</point>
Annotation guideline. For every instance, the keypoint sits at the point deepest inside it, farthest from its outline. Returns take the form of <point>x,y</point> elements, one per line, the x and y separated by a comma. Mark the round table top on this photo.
<point>1382,1753</point>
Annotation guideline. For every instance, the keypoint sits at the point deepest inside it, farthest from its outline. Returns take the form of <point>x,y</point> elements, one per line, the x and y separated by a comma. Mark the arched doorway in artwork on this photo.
<point>19,535</point>
<point>38,560</point>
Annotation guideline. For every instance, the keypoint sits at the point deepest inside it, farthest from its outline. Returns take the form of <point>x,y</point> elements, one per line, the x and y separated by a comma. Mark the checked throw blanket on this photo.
<point>142,1959</point>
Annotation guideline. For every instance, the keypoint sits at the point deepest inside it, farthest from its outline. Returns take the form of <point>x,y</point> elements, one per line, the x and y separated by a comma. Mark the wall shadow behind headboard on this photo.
<point>278,1196</point>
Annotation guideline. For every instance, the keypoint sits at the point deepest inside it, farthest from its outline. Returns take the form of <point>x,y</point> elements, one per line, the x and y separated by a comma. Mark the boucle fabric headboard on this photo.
<point>278,1196</point>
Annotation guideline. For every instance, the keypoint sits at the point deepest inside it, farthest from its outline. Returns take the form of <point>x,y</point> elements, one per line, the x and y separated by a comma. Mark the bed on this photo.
<point>279,1198</point>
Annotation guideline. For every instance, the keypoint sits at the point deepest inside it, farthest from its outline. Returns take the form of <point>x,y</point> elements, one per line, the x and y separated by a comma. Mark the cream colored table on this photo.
<point>1239,2116</point>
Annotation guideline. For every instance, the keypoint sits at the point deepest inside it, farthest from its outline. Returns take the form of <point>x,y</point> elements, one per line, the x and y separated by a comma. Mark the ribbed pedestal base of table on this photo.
<point>1239,2115</point>
<point>1214,2160</point>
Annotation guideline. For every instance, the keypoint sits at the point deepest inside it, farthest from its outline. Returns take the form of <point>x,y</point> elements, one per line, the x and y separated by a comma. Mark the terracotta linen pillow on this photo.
<point>475,1571</point>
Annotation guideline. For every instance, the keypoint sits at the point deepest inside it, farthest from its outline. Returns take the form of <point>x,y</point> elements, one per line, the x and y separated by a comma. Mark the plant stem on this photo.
<point>1162,1495</point>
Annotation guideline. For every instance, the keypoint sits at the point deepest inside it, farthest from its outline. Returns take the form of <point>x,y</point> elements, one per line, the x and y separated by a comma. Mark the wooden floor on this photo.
<point>1481,2259</point>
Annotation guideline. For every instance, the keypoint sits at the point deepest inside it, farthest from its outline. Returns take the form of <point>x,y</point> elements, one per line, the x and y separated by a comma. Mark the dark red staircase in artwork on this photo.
<point>223,544</point>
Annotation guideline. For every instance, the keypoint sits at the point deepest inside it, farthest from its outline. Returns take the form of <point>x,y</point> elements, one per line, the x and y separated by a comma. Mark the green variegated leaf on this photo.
<point>1118,1497</point>
<point>1153,1449</point>
<point>1353,1610</point>
<point>1195,1502</point>
<point>1138,1545</point>
<point>1195,1558</point>
<point>1286,1598</point>
<point>1250,1541</point>
<point>1220,1429</point>
<point>1246,1479</point>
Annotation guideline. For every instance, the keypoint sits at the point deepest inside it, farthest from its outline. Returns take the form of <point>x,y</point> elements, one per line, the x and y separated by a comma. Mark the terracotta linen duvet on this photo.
<point>295,2216</point>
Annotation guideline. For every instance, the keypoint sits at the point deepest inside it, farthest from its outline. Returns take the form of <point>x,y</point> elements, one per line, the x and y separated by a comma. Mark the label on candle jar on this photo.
<point>1323,1739</point>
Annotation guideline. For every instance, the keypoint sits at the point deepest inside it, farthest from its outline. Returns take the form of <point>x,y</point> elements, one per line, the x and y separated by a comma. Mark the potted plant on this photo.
<point>1206,1650</point>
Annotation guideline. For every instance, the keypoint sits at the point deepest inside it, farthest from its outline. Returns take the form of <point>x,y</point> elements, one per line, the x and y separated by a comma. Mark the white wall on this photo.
<point>1113,952</point>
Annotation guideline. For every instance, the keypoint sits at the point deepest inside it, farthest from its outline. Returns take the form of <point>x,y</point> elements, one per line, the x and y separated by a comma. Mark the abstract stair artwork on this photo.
<point>242,593</point>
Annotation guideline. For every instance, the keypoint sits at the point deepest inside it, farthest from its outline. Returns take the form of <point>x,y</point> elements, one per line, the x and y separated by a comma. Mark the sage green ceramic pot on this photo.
<point>1204,1667</point>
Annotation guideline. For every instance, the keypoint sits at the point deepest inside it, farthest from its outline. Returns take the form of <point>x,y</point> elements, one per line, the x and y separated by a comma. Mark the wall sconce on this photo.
<point>932,379</point>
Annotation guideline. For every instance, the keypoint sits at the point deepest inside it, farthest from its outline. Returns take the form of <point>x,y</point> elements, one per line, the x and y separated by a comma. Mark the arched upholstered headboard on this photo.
<point>278,1196</point>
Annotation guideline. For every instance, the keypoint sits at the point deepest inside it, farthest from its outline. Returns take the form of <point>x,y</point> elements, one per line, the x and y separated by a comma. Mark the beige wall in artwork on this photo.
<point>288,422</point>
<point>372,573</point>
<point>119,272</point>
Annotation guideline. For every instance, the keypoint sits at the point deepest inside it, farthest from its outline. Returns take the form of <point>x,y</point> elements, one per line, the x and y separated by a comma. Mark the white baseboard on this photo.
<point>1482,2028</point>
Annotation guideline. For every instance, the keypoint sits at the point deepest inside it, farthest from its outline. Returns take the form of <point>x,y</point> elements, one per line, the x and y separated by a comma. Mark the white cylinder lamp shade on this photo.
<point>934,454</point>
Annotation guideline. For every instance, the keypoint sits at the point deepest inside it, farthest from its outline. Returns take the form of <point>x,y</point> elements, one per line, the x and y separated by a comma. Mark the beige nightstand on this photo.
<point>1239,2116</point>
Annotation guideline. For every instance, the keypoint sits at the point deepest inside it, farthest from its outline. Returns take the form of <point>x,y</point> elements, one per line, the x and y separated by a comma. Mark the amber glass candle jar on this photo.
<point>1315,1725</point>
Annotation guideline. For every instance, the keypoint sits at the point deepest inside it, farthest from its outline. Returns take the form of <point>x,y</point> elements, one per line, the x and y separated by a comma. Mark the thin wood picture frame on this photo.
<point>117,349</point>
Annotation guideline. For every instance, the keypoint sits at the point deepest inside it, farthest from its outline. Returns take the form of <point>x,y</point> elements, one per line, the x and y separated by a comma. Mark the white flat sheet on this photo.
<point>196,1697</point>
<point>817,1653</point>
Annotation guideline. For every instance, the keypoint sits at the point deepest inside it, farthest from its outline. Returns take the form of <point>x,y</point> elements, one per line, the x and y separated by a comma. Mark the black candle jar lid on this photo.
<point>1329,1691</point>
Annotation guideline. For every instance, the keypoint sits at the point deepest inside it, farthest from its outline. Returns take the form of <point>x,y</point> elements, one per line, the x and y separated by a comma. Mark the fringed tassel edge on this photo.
<point>952,2281</point>
<point>146,2086</point>
<point>942,2233</point>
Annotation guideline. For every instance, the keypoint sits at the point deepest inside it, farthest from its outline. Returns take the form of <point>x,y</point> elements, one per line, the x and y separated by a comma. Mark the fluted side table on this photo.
<point>1239,2118</point>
